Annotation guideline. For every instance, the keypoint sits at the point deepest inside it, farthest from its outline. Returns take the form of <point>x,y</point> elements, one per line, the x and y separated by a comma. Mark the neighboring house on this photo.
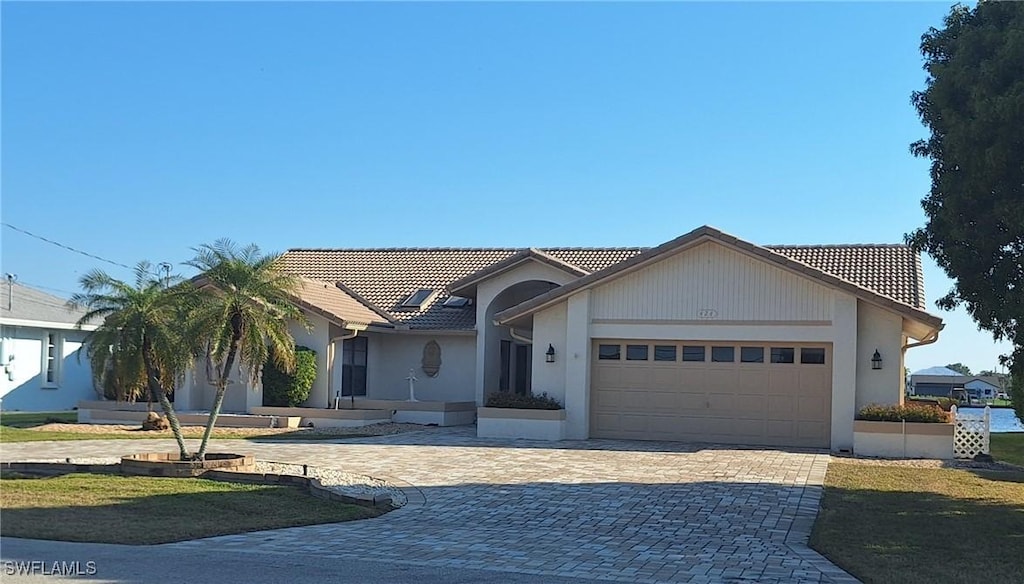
<point>941,381</point>
<point>39,350</point>
<point>704,338</point>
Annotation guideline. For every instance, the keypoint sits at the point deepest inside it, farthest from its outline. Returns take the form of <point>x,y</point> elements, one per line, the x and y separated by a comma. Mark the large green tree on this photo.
<point>960,368</point>
<point>242,318</point>
<point>140,343</point>
<point>973,104</point>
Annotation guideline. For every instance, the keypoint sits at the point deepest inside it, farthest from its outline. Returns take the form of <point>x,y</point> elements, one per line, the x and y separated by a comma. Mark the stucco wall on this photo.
<point>882,330</point>
<point>26,392</point>
<point>549,328</point>
<point>390,356</point>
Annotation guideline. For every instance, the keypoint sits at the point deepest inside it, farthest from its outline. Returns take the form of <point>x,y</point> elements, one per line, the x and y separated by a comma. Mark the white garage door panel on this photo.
<point>786,404</point>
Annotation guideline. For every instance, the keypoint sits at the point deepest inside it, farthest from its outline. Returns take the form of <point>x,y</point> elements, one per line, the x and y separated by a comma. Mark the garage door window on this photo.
<point>812,356</point>
<point>636,352</point>
<point>665,353</point>
<point>723,354</point>
<point>783,354</point>
<point>752,354</point>
<point>609,352</point>
<point>691,353</point>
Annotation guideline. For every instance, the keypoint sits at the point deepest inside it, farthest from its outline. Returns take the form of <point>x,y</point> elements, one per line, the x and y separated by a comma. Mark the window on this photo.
<point>812,356</point>
<point>751,354</point>
<point>636,352</point>
<point>723,354</point>
<point>353,366</point>
<point>609,352</point>
<point>664,352</point>
<point>693,353</point>
<point>455,302</point>
<point>51,360</point>
<point>783,354</point>
<point>506,365</point>
<point>418,298</point>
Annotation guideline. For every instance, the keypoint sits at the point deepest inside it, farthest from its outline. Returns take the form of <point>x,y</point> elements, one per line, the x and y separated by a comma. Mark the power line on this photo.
<point>67,247</point>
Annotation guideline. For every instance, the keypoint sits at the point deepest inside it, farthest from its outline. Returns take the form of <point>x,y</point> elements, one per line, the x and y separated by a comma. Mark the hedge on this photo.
<point>289,390</point>
<point>910,412</point>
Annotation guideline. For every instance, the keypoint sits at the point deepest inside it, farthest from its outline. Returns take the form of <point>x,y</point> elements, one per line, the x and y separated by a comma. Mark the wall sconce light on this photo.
<point>549,356</point>
<point>876,360</point>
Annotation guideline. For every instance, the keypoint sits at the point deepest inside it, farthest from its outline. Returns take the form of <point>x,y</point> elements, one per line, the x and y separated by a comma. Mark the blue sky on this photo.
<point>140,130</point>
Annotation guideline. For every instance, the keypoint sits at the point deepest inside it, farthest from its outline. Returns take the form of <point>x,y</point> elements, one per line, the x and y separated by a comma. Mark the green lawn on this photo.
<point>1008,447</point>
<point>14,428</point>
<point>29,419</point>
<point>922,525</point>
<point>147,510</point>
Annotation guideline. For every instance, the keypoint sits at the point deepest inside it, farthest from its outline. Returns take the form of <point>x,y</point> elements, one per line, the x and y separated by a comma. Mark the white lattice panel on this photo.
<point>971,435</point>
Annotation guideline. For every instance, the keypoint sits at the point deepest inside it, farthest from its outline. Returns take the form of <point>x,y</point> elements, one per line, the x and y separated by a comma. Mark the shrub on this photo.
<point>910,412</point>
<point>289,389</point>
<point>507,399</point>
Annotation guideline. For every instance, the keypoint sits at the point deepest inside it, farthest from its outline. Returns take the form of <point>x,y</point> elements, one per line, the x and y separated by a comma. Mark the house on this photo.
<point>39,351</point>
<point>706,337</point>
<point>941,381</point>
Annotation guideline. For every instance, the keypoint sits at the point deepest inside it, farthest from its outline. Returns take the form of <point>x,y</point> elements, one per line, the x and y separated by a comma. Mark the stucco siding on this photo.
<point>549,328</point>
<point>27,390</point>
<point>712,281</point>
<point>391,356</point>
<point>881,330</point>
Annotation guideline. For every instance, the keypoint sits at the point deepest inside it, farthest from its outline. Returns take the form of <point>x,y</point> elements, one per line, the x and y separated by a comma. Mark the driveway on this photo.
<point>599,509</point>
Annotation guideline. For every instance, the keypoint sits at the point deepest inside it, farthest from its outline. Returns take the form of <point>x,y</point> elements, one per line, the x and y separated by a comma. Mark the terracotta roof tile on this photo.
<point>383,277</point>
<point>892,270</point>
<point>334,303</point>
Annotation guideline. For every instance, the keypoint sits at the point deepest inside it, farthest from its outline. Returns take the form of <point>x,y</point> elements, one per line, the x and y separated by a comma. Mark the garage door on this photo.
<point>737,393</point>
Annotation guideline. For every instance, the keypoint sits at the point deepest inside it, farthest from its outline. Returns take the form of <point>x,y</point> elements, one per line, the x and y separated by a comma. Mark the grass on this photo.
<point>147,510</point>
<point>14,427</point>
<point>29,419</point>
<point>1008,447</point>
<point>922,525</point>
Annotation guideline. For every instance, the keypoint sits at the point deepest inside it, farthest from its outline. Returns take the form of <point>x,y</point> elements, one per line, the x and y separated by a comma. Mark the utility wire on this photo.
<point>67,247</point>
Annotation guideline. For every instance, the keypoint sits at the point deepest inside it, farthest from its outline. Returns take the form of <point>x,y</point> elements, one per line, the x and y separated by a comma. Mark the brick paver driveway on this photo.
<point>605,509</point>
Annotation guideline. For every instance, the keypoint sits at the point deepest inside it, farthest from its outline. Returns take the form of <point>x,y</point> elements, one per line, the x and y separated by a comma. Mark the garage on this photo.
<point>739,392</point>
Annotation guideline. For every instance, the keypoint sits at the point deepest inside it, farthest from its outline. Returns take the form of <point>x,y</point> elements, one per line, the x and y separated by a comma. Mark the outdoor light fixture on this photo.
<point>549,356</point>
<point>876,360</point>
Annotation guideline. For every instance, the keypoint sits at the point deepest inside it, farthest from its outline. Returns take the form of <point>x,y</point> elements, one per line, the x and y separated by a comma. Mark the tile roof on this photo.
<point>382,277</point>
<point>892,270</point>
<point>334,303</point>
<point>28,303</point>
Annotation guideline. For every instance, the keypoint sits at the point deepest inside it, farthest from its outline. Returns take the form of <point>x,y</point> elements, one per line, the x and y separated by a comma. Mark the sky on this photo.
<point>135,131</point>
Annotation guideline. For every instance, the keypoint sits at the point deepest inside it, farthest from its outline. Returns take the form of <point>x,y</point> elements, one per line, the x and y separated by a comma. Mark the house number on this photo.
<point>707,313</point>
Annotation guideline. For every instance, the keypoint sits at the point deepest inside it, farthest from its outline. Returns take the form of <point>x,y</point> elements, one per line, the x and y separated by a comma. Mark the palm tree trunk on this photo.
<point>156,393</point>
<point>218,400</point>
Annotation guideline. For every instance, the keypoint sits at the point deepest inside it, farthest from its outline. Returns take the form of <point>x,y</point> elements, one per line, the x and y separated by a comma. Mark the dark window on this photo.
<point>609,352</point>
<point>751,354</point>
<point>417,298</point>
<point>783,354</point>
<point>353,368</point>
<point>636,352</point>
<point>664,352</point>
<point>814,356</point>
<point>693,353</point>
<point>455,302</point>
<point>723,354</point>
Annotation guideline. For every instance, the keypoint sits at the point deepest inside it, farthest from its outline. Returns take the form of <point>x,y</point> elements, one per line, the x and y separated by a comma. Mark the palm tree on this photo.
<point>243,316</point>
<point>140,343</point>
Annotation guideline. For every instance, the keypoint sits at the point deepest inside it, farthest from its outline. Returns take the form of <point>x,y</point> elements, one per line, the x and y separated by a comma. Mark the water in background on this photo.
<point>1001,420</point>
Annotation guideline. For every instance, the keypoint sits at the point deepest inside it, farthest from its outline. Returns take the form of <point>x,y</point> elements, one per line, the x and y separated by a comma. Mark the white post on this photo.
<point>412,385</point>
<point>985,436</point>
